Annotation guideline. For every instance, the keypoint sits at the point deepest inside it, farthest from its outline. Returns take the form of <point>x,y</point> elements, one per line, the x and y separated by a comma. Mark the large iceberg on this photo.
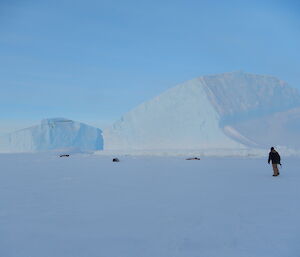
<point>225,111</point>
<point>53,134</point>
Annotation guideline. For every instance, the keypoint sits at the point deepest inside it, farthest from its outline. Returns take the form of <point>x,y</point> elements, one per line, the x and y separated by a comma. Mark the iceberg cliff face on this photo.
<point>53,134</point>
<point>204,113</point>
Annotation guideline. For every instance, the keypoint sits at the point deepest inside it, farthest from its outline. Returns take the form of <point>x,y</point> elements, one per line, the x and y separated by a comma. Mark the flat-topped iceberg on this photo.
<point>54,134</point>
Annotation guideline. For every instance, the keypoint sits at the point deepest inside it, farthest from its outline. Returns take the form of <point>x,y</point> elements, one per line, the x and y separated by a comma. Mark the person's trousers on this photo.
<point>275,168</point>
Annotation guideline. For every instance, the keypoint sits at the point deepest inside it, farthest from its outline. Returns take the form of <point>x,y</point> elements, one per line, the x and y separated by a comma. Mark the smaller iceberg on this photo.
<point>53,134</point>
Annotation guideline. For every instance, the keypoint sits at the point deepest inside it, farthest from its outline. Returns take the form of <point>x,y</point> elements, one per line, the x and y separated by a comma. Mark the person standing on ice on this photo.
<point>275,158</point>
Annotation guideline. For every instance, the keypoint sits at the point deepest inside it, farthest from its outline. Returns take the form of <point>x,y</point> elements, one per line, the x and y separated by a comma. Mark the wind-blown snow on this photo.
<point>53,134</point>
<point>87,205</point>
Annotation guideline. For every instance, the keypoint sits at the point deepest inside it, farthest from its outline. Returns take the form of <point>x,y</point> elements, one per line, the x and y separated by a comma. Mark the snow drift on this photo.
<point>53,134</point>
<point>230,111</point>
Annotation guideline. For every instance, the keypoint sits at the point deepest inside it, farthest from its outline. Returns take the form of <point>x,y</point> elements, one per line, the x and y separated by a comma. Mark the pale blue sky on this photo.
<point>92,61</point>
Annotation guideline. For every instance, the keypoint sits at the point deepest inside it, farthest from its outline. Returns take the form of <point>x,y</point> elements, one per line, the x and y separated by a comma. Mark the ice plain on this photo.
<point>88,206</point>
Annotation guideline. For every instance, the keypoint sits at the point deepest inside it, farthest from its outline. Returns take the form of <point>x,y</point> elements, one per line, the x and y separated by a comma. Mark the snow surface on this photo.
<point>88,206</point>
<point>53,134</point>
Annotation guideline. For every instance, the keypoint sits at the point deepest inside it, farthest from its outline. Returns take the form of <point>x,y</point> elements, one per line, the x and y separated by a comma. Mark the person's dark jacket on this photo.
<point>274,157</point>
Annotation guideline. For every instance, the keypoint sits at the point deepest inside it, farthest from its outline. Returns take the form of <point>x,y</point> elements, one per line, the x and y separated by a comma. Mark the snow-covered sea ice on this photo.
<point>86,205</point>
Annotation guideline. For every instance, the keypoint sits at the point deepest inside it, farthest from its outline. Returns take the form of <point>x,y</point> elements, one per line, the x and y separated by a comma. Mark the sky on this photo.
<point>93,61</point>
